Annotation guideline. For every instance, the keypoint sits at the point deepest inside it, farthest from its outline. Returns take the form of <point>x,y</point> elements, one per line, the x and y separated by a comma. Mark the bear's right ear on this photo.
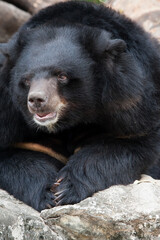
<point>4,49</point>
<point>3,54</point>
<point>9,50</point>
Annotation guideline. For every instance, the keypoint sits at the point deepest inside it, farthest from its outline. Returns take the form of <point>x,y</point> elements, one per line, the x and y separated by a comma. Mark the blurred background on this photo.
<point>13,13</point>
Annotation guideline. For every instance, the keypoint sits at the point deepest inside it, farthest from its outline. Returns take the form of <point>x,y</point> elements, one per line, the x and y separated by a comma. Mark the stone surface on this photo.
<point>119,213</point>
<point>11,18</point>
<point>20,222</point>
<point>145,12</point>
<point>33,6</point>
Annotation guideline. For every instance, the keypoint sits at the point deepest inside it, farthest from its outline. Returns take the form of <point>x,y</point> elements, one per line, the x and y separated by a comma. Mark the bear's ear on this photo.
<point>4,49</point>
<point>9,50</point>
<point>100,43</point>
<point>116,46</point>
<point>105,45</point>
<point>4,55</point>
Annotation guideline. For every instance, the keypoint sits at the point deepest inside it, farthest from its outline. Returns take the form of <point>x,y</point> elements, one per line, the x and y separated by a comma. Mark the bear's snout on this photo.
<point>43,101</point>
<point>39,96</point>
<point>37,101</point>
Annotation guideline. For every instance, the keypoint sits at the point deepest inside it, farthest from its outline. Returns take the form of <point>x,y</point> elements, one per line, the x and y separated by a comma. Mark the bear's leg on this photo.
<point>101,164</point>
<point>28,176</point>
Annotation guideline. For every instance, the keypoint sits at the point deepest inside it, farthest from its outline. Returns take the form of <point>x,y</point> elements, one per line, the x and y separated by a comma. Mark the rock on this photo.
<point>145,12</point>
<point>20,222</point>
<point>121,213</point>
<point>11,18</point>
<point>33,6</point>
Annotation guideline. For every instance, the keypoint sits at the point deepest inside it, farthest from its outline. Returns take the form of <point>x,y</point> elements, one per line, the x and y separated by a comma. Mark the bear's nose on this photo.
<point>37,100</point>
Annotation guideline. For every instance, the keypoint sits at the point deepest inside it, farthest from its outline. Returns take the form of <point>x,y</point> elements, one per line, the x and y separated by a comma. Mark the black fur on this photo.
<point>112,96</point>
<point>29,176</point>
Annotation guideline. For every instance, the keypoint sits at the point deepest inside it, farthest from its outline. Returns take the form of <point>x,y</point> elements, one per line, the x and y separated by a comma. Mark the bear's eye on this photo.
<point>25,82</point>
<point>62,77</point>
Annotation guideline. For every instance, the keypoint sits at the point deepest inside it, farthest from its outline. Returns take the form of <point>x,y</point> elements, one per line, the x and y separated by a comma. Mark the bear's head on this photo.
<point>63,76</point>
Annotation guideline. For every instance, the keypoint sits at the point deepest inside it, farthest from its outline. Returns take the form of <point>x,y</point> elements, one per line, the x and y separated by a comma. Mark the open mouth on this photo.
<point>45,118</point>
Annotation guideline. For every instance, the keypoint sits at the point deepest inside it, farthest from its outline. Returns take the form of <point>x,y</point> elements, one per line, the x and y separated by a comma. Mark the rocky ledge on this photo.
<point>119,213</point>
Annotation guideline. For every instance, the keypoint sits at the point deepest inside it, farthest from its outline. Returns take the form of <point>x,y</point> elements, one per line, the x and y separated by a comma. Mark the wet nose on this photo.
<point>37,100</point>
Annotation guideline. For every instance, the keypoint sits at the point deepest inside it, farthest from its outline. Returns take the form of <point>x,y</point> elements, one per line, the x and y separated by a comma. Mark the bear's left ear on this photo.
<point>100,43</point>
<point>105,45</point>
<point>116,46</point>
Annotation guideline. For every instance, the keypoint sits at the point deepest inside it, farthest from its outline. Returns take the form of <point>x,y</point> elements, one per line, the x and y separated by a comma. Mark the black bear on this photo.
<point>83,81</point>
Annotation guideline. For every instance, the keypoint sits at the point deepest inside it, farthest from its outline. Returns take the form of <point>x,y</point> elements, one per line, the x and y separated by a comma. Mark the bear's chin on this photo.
<point>49,123</point>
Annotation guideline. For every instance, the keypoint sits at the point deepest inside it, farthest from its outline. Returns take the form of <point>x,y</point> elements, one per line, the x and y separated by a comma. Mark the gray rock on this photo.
<point>20,222</point>
<point>119,213</point>
<point>11,18</point>
<point>145,12</point>
<point>33,6</point>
